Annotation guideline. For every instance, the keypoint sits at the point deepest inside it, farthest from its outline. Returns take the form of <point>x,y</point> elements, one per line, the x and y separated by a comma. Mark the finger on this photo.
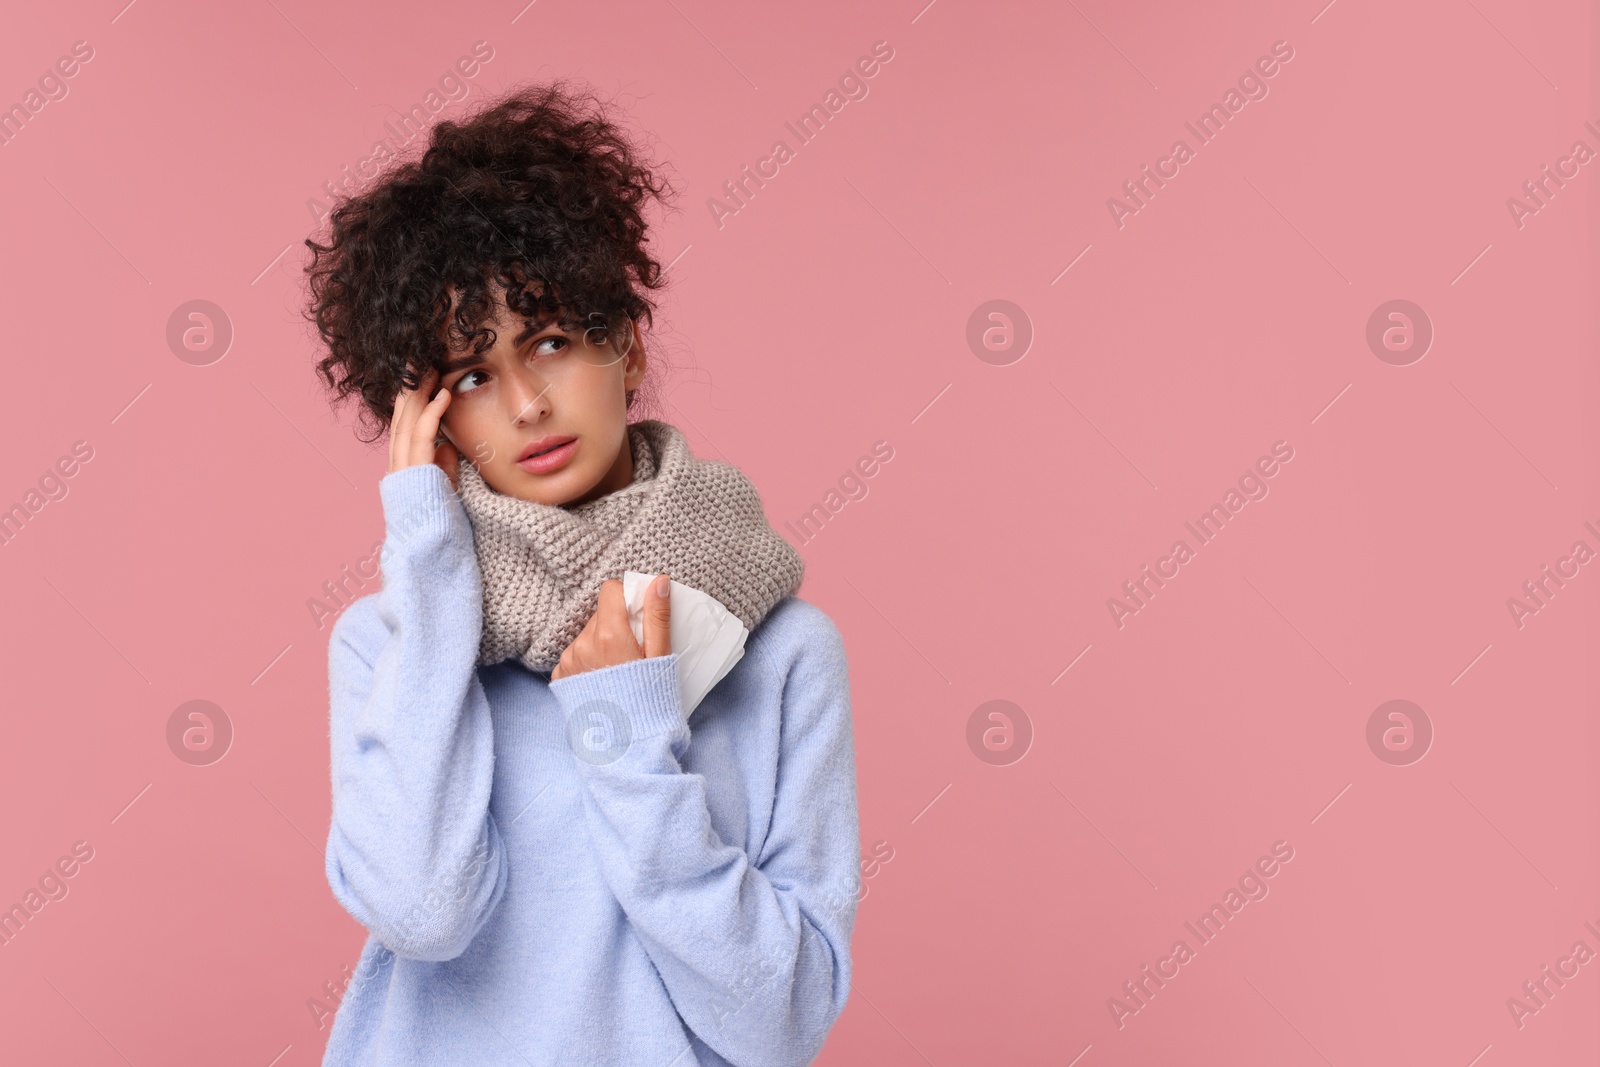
<point>570,663</point>
<point>449,459</point>
<point>426,432</point>
<point>424,412</point>
<point>396,425</point>
<point>402,397</point>
<point>658,617</point>
<point>611,624</point>
<point>394,430</point>
<point>407,409</point>
<point>586,646</point>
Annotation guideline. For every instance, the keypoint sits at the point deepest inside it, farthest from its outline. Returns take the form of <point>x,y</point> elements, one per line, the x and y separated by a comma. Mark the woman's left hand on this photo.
<point>607,639</point>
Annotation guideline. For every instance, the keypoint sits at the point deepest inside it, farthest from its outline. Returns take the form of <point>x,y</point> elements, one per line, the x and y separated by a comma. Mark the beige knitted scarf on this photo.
<point>700,521</point>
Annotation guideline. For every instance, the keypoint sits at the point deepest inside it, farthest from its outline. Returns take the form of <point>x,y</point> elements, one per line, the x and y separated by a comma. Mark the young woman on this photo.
<point>557,861</point>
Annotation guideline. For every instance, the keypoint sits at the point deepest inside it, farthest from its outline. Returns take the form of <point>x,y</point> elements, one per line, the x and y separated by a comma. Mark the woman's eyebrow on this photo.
<point>451,365</point>
<point>531,328</point>
<point>472,358</point>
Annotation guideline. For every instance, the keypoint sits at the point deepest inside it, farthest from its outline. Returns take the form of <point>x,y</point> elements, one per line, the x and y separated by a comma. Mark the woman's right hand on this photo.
<point>415,428</point>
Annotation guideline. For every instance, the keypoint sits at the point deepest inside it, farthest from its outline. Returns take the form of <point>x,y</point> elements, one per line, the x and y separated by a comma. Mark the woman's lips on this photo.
<point>554,459</point>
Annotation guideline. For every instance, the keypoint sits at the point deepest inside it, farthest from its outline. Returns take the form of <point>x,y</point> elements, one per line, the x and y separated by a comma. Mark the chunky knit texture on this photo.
<point>700,521</point>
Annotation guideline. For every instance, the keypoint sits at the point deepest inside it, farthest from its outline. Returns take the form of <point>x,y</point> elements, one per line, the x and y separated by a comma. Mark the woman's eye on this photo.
<point>462,383</point>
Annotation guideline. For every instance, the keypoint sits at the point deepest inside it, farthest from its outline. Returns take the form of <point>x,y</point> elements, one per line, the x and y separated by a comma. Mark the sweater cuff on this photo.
<point>419,501</point>
<point>609,708</point>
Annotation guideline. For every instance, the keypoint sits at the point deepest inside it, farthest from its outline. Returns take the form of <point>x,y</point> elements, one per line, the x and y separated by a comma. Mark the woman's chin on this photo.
<point>557,489</point>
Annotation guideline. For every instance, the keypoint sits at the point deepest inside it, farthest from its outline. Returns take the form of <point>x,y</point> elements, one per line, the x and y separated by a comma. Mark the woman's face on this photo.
<point>538,387</point>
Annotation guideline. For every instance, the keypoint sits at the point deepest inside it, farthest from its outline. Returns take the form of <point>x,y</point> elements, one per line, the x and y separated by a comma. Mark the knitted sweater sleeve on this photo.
<point>413,853</point>
<point>754,950</point>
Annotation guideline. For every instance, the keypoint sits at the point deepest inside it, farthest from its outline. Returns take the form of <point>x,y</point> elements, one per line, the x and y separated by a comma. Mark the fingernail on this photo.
<point>664,586</point>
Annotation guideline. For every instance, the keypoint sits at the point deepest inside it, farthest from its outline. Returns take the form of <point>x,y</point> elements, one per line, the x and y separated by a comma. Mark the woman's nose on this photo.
<point>527,396</point>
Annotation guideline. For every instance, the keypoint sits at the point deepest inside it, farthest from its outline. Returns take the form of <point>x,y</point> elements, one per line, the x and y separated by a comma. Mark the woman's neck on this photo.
<point>618,477</point>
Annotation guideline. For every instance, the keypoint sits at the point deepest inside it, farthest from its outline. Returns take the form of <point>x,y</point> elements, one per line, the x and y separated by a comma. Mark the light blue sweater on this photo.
<point>653,893</point>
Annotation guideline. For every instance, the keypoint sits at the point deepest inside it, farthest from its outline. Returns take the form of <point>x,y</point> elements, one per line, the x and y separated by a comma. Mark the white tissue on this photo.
<point>708,638</point>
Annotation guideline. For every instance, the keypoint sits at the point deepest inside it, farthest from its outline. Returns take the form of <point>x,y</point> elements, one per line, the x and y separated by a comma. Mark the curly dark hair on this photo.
<point>538,191</point>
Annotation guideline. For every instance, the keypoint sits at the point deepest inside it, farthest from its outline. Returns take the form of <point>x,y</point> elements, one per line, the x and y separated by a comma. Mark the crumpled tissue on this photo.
<point>708,638</point>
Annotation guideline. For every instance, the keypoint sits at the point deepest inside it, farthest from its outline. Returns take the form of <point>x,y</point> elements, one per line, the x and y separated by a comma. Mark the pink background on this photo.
<point>826,315</point>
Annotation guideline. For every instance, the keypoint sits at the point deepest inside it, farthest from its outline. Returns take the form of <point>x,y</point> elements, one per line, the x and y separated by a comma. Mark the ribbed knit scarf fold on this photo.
<point>700,521</point>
